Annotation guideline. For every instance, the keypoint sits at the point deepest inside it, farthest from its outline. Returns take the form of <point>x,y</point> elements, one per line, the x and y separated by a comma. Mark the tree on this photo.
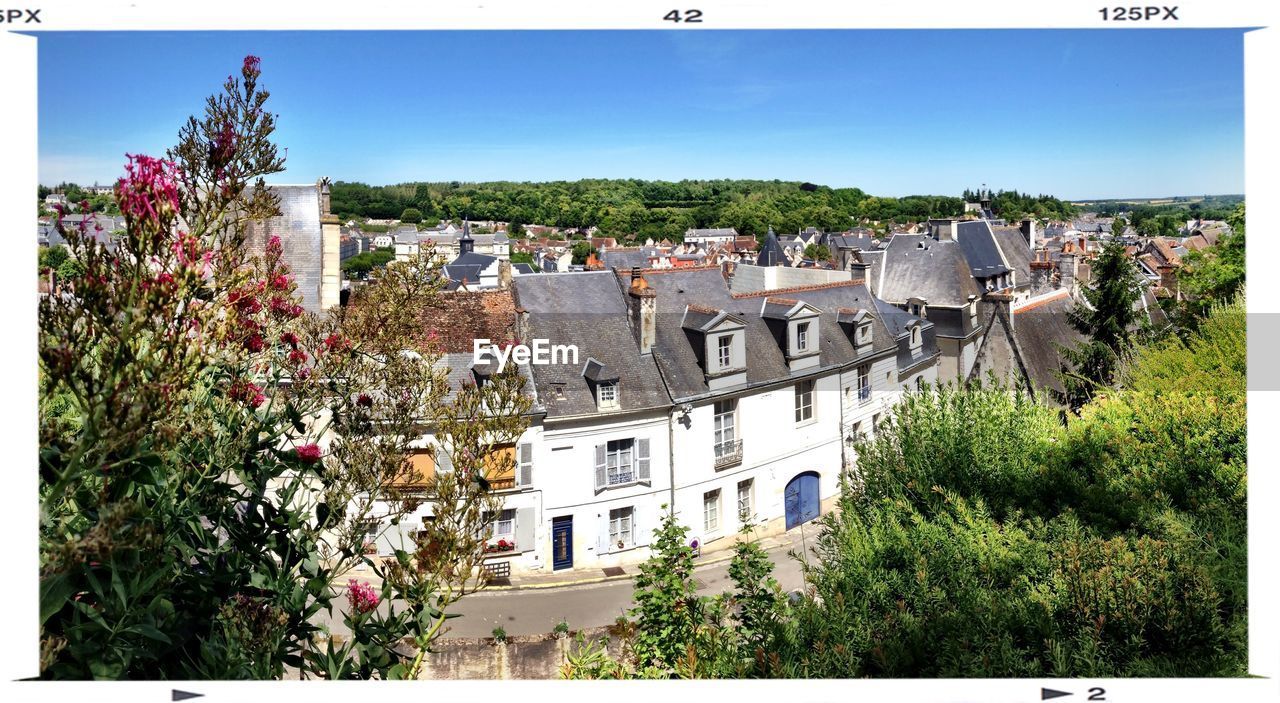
<point>1108,321</point>
<point>51,258</point>
<point>668,611</point>
<point>1215,274</point>
<point>70,269</point>
<point>817,252</point>
<point>582,251</point>
<point>211,454</point>
<point>411,215</point>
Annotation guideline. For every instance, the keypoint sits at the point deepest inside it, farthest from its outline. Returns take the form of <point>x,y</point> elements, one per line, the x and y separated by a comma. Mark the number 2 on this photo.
<point>1097,694</point>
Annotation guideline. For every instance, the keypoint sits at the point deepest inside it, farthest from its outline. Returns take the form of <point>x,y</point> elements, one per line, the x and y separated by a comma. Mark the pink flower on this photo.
<point>361,596</point>
<point>280,282</point>
<point>148,193</point>
<point>290,338</point>
<point>252,67</point>
<point>273,246</point>
<point>308,453</point>
<point>297,356</point>
<point>248,393</point>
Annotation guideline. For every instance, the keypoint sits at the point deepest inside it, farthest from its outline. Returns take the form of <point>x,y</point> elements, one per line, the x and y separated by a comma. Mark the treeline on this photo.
<point>76,194</point>
<point>658,209</point>
<point>1013,206</point>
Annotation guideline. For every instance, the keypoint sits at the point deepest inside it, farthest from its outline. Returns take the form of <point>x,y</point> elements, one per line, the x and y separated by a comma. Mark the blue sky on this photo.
<point>1076,113</point>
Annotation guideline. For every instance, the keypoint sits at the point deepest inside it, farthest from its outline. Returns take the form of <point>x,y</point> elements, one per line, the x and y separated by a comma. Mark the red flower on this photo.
<point>280,282</point>
<point>297,356</point>
<point>308,453</point>
<point>253,342</point>
<point>252,67</point>
<point>290,338</point>
<point>149,191</point>
<point>364,401</point>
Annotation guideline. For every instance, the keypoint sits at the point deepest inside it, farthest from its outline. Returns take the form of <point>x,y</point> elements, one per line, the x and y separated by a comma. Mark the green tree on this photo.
<point>817,252</point>
<point>1215,274</point>
<point>411,215</point>
<point>582,251</point>
<point>70,269</point>
<point>51,257</point>
<point>667,609</point>
<point>1108,321</point>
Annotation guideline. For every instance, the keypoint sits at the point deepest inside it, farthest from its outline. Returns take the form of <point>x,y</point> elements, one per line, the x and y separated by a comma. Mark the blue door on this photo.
<point>562,542</point>
<point>801,499</point>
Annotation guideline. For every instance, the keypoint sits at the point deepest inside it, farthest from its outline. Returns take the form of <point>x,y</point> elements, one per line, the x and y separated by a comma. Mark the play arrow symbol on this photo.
<point>1047,693</point>
<point>184,695</point>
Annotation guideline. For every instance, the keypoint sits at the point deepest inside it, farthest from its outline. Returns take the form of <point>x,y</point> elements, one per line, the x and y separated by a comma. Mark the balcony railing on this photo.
<point>728,453</point>
<point>864,394</point>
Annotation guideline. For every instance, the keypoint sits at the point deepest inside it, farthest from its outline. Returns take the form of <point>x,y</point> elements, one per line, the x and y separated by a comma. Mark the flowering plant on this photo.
<point>191,526</point>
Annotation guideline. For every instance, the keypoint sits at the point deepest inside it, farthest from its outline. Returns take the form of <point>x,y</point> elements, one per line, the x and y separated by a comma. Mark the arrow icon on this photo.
<point>184,695</point>
<point>1047,693</point>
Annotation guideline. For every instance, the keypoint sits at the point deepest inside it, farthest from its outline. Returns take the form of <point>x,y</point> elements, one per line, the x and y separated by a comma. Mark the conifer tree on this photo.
<point>1107,321</point>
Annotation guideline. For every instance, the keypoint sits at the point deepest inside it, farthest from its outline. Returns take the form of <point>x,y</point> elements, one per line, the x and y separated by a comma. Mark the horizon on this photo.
<point>1042,111</point>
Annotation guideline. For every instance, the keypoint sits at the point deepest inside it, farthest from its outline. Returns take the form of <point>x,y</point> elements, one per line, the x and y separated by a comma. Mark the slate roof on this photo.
<point>628,258</point>
<point>463,273</point>
<point>850,241</point>
<point>1013,244</point>
<point>766,363</point>
<point>588,310</point>
<point>459,372</point>
<point>978,244</point>
<point>523,268</point>
<point>917,266</point>
<point>1041,330</point>
<point>771,253</point>
<point>713,232</point>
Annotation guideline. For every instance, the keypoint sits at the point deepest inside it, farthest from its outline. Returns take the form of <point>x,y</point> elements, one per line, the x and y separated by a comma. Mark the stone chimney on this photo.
<point>1029,232</point>
<point>943,230</point>
<point>861,270</point>
<point>504,274</point>
<point>642,302</point>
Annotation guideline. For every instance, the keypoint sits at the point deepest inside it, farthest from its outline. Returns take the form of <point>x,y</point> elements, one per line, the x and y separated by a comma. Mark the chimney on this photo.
<point>943,230</point>
<point>504,274</point>
<point>1029,232</point>
<point>861,270</point>
<point>330,250</point>
<point>642,302</point>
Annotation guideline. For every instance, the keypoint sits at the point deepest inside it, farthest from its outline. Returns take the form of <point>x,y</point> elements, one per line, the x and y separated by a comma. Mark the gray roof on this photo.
<point>678,357</point>
<point>628,258</point>
<point>771,253</point>
<point>714,232</point>
<point>978,244</point>
<point>918,266</point>
<point>523,268</point>
<point>1041,331</point>
<point>850,241</point>
<point>899,322</point>
<point>1016,252</point>
<point>588,310</point>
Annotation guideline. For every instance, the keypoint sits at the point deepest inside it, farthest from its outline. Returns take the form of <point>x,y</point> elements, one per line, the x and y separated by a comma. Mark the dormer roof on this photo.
<point>786,309</point>
<point>597,372</point>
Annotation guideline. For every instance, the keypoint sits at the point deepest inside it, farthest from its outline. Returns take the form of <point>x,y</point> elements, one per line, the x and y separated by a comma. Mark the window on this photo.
<point>723,347</point>
<point>501,527</point>
<point>919,383</point>
<point>802,336</point>
<point>725,426</point>
<point>711,510</point>
<point>607,395</point>
<point>369,537</point>
<point>620,520</point>
<point>621,462</point>
<point>864,383</point>
<point>856,432</point>
<point>915,310</point>
<point>744,501</point>
<point>875,423</point>
<point>915,337</point>
<point>618,465</point>
<point>804,401</point>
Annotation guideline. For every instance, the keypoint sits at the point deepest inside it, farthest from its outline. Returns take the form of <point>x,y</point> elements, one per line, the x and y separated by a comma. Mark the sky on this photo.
<point>1079,114</point>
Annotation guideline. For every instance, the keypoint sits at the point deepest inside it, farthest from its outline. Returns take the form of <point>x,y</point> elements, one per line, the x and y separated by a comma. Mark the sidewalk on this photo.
<point>776,545</point>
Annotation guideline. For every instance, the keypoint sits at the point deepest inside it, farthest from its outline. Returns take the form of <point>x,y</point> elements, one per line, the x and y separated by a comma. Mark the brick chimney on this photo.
<point>642,302</point>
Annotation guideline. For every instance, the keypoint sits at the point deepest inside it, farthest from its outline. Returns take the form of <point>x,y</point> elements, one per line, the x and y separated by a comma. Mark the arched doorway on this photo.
<point>801,499</point>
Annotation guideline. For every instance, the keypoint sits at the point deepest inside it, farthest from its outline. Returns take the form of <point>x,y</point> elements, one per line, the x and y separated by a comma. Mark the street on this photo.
<point>537,610</point>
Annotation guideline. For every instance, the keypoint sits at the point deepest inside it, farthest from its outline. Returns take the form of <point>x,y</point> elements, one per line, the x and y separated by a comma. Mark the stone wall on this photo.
<point>532,657</point>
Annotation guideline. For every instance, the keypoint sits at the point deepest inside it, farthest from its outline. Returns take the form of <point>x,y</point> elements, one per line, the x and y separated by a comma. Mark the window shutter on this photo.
<point>642,460</point>
<point>601,479</point>
<point>525,524</point>
<point>444,462</point>
<point>524,476</point>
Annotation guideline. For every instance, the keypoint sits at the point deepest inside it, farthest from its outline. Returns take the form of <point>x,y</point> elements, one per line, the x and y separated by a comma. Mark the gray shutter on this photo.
<point>524,477</point>
<point>444,462</point>
<point>642,460</point>
<point>525,524</point>
<point>601,478</point>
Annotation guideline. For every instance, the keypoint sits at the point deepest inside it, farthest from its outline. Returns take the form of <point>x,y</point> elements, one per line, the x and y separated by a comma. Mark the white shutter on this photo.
<point>524,476</point>
<point>444,462</point>
<point>525,524</point>
<point>642,460</point>
<point>601,478</point>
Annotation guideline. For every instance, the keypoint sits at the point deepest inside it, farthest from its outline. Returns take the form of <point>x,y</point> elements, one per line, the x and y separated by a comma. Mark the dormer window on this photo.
<point>857,326</point>
<point>607,396</point>
<point>603,383</point>
<point>918,307</point>
<point>724,348</point>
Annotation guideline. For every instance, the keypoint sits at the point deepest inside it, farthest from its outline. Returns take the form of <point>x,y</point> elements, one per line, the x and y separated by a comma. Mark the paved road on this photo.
<point>536,611</point>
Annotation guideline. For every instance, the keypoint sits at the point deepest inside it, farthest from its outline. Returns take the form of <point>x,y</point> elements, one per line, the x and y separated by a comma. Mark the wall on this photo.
<point>749,277</point>
<point>535,657</point>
